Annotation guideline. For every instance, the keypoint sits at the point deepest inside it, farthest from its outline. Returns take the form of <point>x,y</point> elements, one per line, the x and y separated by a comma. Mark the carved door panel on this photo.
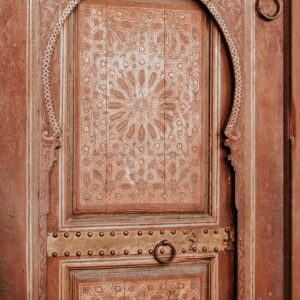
<point>140,97</point>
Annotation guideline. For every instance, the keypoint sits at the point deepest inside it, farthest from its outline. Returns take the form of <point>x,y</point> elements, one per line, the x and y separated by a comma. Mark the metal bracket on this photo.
<point>164,245</point>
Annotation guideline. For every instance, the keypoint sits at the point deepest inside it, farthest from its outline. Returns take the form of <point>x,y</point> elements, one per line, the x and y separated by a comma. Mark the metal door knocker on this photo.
<point>157,252</point>
<point>268,17</point>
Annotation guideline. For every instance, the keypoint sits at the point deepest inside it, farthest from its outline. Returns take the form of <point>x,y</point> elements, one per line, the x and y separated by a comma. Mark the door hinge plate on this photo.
<point>138,242</point>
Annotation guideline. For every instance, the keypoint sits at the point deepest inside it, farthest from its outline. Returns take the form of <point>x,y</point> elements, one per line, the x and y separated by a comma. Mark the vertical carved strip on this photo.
<point>236,145</point>
<point>47,161</point>
<point>54,35</point>
<point>237,161</point>
<point>50,142</point>
<point>237,101</point>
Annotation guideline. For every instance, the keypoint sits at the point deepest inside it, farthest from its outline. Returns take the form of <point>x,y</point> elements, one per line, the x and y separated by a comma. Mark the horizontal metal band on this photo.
<point>133,242</point>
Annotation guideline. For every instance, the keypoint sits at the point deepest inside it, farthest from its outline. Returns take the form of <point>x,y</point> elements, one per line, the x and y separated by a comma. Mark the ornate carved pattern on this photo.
<point>140,105</point>
<point>165,289</point>
<point>55,34</point>
<point>46,70</point>
<point>232,15</point>
<point>229,130</point>
<point>232,131</point>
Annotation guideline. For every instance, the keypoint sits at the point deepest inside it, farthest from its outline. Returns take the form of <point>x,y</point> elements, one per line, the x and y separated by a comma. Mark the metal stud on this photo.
<point>54,254</point>
<point>78,253</point>
<point>216,231</point>
<point>216,249</point>
<point>194,249</point>
<point>140,251</point>
<point>227,230</point>
<point>150,232</point>
<point>204,249</point>
<point>55,235</point>
<point>162,232</point>
<point>126,233</point>
<point>90,234</point>
<point>67,253</point>
<point>78,234</point>
<point>101,252</point>
<point>112,252</point>
<point>101,233</point>
<point>140,233</point>
<point>66,234</point>
<point>112,233</point>
<point>90,252</point>
<point>205,231</point>
<point>173,232</point>
<point>151,251</point>
<point>183,250</point>
<point>126,252</point>
<point>162,251</point>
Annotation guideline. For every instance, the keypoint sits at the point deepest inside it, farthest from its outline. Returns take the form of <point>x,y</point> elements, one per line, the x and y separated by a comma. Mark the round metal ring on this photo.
<point>166,261</point>
<point>266,16</point>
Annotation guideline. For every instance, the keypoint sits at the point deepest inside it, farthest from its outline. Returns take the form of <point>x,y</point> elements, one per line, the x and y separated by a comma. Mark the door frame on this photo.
<point>242,145</point>
<point>293,120</point>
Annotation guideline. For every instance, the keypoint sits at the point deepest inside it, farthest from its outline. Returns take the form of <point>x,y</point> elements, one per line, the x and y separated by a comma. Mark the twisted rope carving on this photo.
<point>54,124</point>
<point>237,101</point>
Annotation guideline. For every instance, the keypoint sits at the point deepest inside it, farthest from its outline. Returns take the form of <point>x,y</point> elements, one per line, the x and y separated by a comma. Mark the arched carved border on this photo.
<point>237,101</point>
<point>50,138</point>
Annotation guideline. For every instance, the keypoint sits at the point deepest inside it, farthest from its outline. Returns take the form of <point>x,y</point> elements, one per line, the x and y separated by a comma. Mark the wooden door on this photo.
<point>139,98</point>
<point>132,126</point>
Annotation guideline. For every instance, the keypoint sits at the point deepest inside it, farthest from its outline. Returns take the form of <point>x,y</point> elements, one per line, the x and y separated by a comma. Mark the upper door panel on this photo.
<point>141,108</point>
<point>146,90</point>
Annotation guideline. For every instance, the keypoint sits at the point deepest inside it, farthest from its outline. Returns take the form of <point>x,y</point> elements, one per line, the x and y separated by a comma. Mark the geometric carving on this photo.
<point>180,288</point>
<point>143,283</point>
<point>51,42</point>
<point>55,34</point>
<point>231,131</point>
<point>141,99</point>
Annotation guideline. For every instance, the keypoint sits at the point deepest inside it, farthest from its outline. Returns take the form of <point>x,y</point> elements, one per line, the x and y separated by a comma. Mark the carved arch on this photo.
<point>50,136</point>
<point>72,4</point>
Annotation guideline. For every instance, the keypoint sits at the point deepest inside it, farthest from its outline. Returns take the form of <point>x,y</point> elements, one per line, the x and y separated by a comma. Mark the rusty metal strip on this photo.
<point>133,242</point>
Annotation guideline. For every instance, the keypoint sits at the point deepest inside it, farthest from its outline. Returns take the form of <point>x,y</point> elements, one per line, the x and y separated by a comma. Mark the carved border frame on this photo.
<point>234,131</point>
<point>67,266</point>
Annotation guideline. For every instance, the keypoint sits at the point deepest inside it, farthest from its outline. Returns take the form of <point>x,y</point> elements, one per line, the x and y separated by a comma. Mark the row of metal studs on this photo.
<point>140,233</point>
<point>140,251</point>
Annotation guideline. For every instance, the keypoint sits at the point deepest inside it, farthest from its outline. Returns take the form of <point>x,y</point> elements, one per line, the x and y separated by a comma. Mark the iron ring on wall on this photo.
<point>268,17</point>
